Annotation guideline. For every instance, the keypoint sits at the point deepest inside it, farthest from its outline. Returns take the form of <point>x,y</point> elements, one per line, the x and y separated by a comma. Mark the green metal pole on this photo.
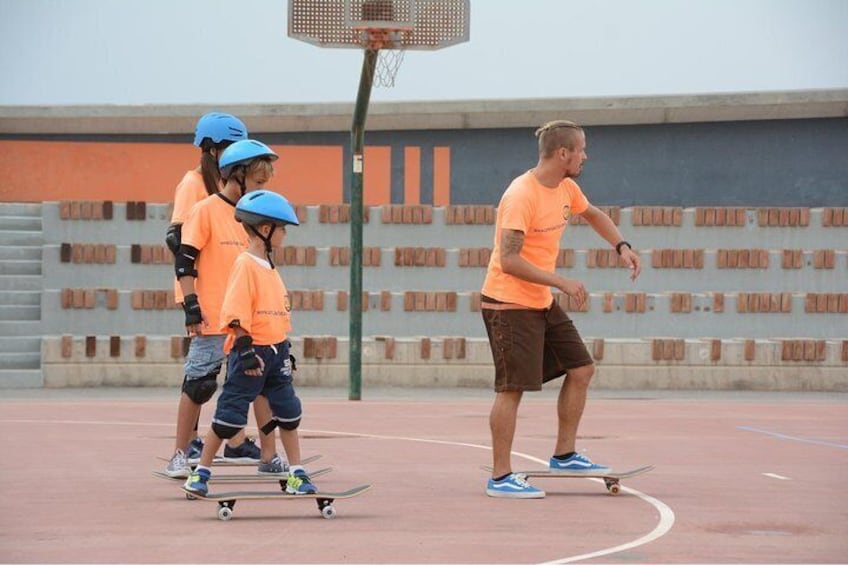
<point>357,141</point>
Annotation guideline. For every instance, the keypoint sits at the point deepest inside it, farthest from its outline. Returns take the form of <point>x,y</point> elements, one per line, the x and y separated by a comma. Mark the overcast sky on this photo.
<point>55,52</point>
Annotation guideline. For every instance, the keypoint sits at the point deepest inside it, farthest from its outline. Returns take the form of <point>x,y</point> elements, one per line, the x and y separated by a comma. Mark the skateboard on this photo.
<point>611,479</point>
<point>246,478</point>
<point>221,462</point>
<point>227,500</point>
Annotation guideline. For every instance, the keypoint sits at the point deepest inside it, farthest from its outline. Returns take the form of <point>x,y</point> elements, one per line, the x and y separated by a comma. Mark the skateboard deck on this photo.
<point>221,462</point>
<point>227,500</point>
<point>245,478</point>
<point>611,479</point>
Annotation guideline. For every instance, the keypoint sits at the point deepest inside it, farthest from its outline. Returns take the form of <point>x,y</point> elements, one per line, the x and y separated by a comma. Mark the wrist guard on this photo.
<point>243,346</point>
<point>191,307</point>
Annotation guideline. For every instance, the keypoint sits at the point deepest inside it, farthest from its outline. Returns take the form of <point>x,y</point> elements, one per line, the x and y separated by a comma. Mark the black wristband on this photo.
<point>191,307</point>
<point>620,244</point>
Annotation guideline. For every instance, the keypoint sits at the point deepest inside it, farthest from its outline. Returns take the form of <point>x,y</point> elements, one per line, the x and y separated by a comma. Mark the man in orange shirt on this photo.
<point>256,318</point>
<point>533,341</point>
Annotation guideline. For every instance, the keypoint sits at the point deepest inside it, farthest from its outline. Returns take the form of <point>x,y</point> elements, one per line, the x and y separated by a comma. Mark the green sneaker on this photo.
<point>300,483</point>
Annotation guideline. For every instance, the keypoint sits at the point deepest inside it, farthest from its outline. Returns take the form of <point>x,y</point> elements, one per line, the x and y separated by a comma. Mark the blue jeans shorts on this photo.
<point>205,356</point>
<point>275,384</point>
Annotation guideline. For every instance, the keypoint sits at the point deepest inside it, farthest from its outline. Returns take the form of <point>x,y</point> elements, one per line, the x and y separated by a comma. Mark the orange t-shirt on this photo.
<point>190,191</point>
<point>212,228</point>
<point>257,297</point>
<point>542,214</point>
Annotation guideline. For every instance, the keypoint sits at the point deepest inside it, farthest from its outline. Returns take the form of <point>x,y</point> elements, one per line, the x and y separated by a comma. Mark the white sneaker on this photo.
<point>178,466</point>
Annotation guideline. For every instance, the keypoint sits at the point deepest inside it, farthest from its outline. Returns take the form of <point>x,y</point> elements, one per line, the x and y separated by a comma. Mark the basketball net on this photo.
<point>389,44</point>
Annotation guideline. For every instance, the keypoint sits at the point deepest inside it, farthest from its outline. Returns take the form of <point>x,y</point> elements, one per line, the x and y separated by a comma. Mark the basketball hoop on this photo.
<point>389,27</point>
<point>384,30</point>
<point>389,44</point>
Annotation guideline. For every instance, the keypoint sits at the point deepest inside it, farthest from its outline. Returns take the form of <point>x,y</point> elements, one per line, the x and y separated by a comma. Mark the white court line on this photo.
<point>793,438</point>
<point>776,476</point>
<point>665,523</point>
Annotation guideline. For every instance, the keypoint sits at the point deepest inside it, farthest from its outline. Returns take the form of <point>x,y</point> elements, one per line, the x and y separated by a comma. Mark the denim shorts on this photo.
<point>532,347</point>
<point>205,356</point>
<point>275,384</point>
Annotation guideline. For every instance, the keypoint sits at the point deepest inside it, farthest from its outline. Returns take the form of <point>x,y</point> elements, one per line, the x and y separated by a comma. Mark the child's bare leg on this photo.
<point>263,415</point>
<point>291,445</point>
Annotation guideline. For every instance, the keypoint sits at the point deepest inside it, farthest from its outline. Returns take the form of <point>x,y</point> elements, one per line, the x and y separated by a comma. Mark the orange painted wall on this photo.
<point>37,171</point>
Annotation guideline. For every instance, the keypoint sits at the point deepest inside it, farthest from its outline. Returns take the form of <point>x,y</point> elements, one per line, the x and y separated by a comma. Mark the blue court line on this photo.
<point>784,436</point>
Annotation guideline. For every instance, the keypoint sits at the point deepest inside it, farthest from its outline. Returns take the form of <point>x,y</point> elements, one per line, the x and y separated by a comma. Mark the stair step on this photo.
<point>20,209</point>
<point>20,267</point>
<point>20,282</point>
<point>20,298</point>
<point>18,312</point>
<point>20,344</point>
<point>25,360</point>
<point>20,327</point>
<point>22,223</point>
<point>21,378</point>
<point>19,237</point>
<point>19,252</point>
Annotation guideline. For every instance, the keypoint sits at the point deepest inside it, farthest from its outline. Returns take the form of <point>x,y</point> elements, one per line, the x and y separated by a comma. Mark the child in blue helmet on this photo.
<point>221,138</point>
<point>256,316</point>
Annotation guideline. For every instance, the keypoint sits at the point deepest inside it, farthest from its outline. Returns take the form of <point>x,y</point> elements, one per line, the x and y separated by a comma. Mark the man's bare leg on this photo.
<point>570,405</point>
<point>502,425</point>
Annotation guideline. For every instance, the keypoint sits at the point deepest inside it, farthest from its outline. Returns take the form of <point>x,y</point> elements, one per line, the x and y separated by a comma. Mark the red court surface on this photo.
<point>739,478</point>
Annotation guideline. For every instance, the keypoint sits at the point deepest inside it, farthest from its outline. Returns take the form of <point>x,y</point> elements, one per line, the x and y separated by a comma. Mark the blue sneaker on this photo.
<point>273,467</point>
<point>197,482</point>
<point>578,463</point>
<point>247,452</point>
<point>195,448</point>
<point>299,483</point>
<point>514,485</point>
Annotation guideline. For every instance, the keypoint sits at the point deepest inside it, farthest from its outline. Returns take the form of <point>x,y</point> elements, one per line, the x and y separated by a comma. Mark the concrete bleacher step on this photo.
<point>20,223</point>
<point>21,378</point>
<point>20,267</point>
<point>20,312</point>
<point>20,344</point>
<point>20,237</point>
<point>20,298</point>
<point>24,360</point>
<point>20,282</point>
<point>20,209</point>
<point>20,328</point>
<point>20,253</point>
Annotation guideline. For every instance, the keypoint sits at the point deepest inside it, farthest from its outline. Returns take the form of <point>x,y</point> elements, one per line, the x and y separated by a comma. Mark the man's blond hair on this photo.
<point>556,134</point>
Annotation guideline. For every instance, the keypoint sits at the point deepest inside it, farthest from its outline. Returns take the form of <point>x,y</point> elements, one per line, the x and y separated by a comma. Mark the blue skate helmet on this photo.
<point>242,153</point>
<point>263,207</point>
<point>219,127</point>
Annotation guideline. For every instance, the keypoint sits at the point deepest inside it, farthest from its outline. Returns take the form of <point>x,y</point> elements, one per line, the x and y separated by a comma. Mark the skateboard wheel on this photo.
<point>190,496</point>
<point>225,513</point>
<point>328,512</point>
<point>614,488</point>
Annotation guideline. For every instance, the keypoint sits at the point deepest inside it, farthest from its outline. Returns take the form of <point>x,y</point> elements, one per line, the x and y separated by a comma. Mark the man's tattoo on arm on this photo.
<point>511,242</point>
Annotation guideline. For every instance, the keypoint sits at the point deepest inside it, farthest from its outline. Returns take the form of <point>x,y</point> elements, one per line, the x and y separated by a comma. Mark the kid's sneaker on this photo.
<point>273,467</point>
<point>195,449</point>
<point>514,485</point>
<point>178,466</point>
<point>578,463</point>
<point>299,483</point>
<point>196,483</point>
<point>247,452</point>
